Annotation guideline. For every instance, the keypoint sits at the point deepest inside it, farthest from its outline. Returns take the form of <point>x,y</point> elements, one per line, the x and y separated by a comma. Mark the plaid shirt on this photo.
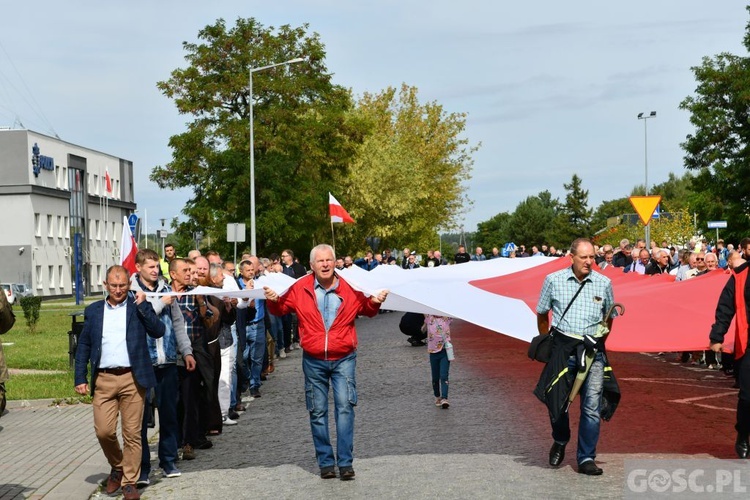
<point>193,323</point>
<point>590,306</point>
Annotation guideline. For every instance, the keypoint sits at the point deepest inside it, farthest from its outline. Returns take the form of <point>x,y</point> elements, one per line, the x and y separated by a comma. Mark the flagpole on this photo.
<point>333,237</point>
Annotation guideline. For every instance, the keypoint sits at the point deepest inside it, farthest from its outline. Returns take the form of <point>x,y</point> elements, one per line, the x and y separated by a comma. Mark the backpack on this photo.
<point>7,318</point>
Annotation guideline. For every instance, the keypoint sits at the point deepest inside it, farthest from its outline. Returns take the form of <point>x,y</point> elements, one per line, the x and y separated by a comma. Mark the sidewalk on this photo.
<point>49,451</point>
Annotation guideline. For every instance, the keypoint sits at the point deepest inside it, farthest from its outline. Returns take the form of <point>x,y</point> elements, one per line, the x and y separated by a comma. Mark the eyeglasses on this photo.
<point>699,259</point>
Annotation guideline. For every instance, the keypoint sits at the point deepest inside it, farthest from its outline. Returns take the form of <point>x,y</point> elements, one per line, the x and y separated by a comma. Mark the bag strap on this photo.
<point>571,302</point>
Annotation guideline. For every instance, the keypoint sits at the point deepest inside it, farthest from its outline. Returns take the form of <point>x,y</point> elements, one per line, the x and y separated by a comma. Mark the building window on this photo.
<point>59,226</point>
<point>51,272</point>
<point>37,225</point>
<point>99,280</point>
<point>64,183</point>
<point>39,280</point>
<point>61,277</point>
<point>50,227</point>
<point>96,184</point>
<point>92,233</point>
<point>114,233</point>
<point>98,230</point>
<point>66,228</point>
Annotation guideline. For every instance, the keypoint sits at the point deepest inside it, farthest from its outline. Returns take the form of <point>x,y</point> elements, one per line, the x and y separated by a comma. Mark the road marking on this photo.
<point>670,381</point>
<point>698,398</point>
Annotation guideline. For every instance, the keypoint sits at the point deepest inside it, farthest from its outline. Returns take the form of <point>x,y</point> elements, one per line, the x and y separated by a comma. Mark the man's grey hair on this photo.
<point>321,247</point>
<point>215,269</point>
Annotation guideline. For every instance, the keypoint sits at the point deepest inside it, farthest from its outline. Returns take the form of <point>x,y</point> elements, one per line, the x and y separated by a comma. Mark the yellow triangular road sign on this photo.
<point>645,206</point>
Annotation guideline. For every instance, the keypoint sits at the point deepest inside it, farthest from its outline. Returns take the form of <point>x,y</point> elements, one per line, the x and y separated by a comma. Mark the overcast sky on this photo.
<point>551,88</point>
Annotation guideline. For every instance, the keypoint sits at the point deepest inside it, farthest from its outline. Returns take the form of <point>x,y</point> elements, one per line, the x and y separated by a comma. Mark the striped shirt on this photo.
<point>590,306</point>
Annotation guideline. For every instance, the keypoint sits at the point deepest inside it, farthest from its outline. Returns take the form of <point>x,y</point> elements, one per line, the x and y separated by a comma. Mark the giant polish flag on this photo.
<point>128,248</point>
<point>338,214</point>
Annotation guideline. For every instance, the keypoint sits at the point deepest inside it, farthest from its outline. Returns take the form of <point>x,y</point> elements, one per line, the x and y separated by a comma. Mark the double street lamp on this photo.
<point>253,246</point>
<point>645,117</point>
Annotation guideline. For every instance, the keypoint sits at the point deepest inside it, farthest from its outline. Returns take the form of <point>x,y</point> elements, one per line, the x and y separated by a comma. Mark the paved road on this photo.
<point>492,442</point>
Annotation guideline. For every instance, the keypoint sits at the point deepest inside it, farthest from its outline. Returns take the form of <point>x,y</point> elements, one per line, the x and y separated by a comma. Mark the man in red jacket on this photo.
<point>327,307</point>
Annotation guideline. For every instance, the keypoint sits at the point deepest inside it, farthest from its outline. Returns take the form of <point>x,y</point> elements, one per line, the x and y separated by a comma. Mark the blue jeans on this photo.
<point>591,400</point>
<point>341,374</point>
<point>165,399</point>
<point>277,332</point>
<point>256,348</point>
<point>440,368</point>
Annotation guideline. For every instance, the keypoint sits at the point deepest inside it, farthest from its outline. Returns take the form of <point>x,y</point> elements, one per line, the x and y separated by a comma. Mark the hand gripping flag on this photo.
<point>128,248</point>
<point>338,214</point>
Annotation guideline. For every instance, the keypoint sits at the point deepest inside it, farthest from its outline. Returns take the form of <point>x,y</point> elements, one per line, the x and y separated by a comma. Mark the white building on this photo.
<point>53,193</point>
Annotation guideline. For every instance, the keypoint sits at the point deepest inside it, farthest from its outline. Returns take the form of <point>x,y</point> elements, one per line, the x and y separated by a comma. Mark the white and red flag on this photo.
<point>338,214</point>
<point>128,248</point>
<point>107,182</point>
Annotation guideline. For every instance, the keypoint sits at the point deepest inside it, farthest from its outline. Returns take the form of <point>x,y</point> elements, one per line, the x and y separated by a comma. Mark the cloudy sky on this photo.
<point>551,88</point>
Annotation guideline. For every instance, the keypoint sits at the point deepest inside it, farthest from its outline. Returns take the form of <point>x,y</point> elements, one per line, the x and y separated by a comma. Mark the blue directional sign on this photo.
<point>717,224</point>
<point>132,221</point>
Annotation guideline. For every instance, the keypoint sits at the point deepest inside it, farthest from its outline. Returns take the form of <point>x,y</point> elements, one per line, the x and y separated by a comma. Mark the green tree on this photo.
<point>718,149</point>
<point>493,232</point>
<point>573,219</point>
<point>407,179</point>
<point>605,213</point>
<point>302,136</point>
<point>531,222</point>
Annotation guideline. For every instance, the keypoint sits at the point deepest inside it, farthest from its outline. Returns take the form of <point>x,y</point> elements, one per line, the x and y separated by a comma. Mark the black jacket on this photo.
<point>553,390</point>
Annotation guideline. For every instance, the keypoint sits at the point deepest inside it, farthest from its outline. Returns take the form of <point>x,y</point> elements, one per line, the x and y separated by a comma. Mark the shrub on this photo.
<point>31,306</point>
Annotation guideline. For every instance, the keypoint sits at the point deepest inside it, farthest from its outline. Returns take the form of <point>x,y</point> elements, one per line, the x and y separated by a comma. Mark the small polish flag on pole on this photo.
<point>338,214</point>
<point>128,248</point>
<point>107,182</point>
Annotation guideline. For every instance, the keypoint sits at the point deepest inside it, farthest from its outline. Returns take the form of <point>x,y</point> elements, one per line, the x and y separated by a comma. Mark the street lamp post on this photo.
<point>645,117</point>
<point>252,149</point>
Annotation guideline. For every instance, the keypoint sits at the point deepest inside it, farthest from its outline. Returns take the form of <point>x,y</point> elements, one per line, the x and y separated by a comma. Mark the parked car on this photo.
<point>9,292</point>
<point>21,290</point>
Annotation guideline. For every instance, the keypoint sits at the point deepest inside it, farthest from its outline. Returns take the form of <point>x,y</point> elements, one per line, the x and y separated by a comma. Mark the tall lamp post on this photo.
<point>645,117</point>
<point>252,149</point>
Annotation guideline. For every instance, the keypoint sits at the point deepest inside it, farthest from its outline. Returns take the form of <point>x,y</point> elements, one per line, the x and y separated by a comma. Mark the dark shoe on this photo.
<point>741,446</point>
<point>130,492</point>
<point>113,481</point>
<point>346,473</point>
<point>556,454</point>
<point>204,445</point>
<point>255,392</point>
<point>233,415</point>
<point>589,468</point>
<point>328,473</point>
<point>188,453</point>
<point>240,407</point>
<point>264,377</point>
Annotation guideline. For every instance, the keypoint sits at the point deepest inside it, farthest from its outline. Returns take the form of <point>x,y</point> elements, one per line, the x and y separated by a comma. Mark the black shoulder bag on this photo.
<point>540,348</point>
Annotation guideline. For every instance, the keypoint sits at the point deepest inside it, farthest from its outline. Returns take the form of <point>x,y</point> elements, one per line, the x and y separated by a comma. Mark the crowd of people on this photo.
<point>198,359</point>
<point>202,359</point>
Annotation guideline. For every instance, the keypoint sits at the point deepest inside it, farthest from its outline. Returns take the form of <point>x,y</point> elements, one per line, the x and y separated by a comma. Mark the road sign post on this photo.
<point>717,224</point>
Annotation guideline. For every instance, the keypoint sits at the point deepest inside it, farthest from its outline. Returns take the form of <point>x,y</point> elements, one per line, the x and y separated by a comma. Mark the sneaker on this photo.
<point>328,473</point>
<point>228,421</point>
<point>113,481</point>
<point>438,402</point>
<point>130,492</point>
<point>282,354</point>
<point>287,350</point>
<point>295,345</point>
<point>188,453</point>
<point>143,480</point>
<point>255,392</point>
<point>233,414</point>
<point>444,404</point>
<point>171,471</point>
